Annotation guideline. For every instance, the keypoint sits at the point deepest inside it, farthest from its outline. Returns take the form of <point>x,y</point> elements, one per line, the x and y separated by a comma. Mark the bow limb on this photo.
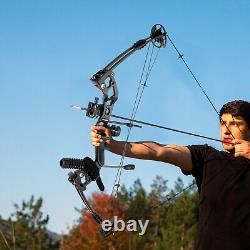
<point>158,37</point>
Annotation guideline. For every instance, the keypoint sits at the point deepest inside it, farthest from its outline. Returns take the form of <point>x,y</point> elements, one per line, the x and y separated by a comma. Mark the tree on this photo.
<point>180,222</point>
<point>85,234</point>
<point>158,211</point>
<point>136,201</point>
<point>26,228</point>
<point>172,219</point>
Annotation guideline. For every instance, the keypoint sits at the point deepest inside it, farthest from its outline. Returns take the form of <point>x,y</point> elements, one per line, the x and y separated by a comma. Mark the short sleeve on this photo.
<point>198,155</point>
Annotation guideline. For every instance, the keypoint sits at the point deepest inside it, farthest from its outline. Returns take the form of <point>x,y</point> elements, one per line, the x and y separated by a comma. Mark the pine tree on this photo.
<point>26,228</point>
<point>172,219</point>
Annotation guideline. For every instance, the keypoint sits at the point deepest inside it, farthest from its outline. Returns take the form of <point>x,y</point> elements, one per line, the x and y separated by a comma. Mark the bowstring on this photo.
<point>181,56</point>
<point>172,195</point>
<point>140,90</point>
<point>135,109</point>
<point>133,116</point>
<point>119,171</point>
<point>116,184</point>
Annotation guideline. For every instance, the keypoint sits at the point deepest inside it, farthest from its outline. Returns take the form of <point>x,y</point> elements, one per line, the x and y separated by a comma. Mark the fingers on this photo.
<point>237,154</point>
<point>241,153</point>
<point>96,138</point>
<point>237,141</point>
<point>98,128</point>
<point>96,143</point>
<point>241,149</point>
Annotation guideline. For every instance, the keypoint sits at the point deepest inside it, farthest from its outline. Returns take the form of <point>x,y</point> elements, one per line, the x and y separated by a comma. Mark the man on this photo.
<point>222,177</point>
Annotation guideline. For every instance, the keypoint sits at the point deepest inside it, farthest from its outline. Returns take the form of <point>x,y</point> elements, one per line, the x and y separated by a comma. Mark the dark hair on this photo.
<point>237,108</point>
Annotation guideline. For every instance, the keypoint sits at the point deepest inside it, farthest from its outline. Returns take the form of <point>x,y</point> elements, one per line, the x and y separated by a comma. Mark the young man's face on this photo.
<point>233,128</point>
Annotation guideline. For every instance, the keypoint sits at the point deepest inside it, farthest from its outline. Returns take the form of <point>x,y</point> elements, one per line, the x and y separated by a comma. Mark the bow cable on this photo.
<point>181,56</point>
<point>140,90</point>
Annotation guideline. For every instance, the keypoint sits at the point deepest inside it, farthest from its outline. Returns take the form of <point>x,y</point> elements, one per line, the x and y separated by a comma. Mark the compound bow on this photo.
<point>88,170</point>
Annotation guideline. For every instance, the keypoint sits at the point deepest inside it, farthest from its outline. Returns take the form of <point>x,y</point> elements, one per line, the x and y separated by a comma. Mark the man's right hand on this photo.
<point>96,138</point>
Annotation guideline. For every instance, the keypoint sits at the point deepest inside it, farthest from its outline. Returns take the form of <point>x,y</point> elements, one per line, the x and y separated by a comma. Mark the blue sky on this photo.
<point>50,49</point>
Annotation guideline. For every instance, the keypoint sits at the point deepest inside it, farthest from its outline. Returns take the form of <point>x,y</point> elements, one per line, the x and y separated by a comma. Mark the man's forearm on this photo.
<point>174,154</point>
<point>139,150</point>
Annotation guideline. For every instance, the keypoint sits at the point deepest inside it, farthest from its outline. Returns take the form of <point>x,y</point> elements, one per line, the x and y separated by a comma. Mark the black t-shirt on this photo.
<point>224,205</point>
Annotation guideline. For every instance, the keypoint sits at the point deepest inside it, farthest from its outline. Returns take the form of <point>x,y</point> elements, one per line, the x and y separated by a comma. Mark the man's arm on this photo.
<point>179,156</point>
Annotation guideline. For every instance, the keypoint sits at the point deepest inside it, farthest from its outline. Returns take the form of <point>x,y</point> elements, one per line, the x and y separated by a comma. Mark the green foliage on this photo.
<point>26,228</point>
<point>173,218</point>
<point>172,215</point>
<point>180,222</point>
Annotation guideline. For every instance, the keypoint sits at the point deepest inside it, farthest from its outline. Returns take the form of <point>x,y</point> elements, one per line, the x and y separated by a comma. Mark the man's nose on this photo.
<point>226,130</point>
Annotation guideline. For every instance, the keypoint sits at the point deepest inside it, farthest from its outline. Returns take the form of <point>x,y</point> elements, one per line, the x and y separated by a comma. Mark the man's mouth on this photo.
<point>227,141</point>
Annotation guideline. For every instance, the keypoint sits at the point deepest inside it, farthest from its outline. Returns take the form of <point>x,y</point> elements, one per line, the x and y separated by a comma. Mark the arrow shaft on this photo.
<point>165,128</point>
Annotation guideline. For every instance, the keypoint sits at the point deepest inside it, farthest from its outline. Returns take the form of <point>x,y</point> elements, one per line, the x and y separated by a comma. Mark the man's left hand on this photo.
<point>242,148</point>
